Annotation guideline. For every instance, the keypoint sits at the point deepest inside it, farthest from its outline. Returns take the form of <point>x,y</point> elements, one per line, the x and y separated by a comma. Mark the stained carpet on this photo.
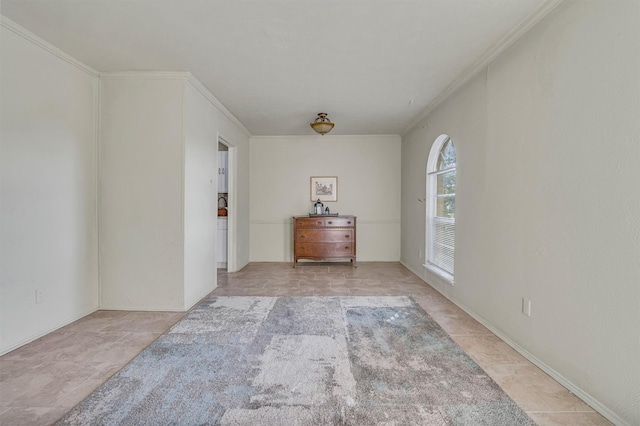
<point>301,361</point>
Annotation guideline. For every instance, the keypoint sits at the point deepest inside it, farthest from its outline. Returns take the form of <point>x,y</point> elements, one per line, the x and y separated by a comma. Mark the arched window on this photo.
<point>441,207</point>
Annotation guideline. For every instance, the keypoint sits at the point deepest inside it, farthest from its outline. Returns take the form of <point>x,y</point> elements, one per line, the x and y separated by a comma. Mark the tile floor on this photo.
<point>41,381</point>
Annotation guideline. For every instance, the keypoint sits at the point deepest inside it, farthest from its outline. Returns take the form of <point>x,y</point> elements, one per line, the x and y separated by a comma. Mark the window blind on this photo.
<point>441,210</point>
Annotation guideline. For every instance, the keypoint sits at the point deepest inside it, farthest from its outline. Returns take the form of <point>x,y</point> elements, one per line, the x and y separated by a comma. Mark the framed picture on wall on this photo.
<point>324,188</point>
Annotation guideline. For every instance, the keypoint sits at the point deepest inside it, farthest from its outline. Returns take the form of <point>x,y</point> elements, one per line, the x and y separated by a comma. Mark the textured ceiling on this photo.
<point>373,66</point>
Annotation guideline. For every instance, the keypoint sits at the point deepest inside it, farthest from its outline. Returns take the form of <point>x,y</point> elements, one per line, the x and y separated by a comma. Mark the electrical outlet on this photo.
<point>526,307</point>
<point>39,295</point>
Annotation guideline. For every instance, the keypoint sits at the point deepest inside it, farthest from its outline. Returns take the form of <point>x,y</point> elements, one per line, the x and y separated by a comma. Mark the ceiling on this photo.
<point>373,65</point>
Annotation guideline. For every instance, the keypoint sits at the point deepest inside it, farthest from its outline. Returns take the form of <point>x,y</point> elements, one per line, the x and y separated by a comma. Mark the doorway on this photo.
<point>223,206</point>
<point>227,214</point>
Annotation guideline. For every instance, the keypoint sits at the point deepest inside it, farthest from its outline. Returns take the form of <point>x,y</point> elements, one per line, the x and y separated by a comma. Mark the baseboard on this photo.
<point>47,331</point>
<point>573,388</point>
<point>142,308</point>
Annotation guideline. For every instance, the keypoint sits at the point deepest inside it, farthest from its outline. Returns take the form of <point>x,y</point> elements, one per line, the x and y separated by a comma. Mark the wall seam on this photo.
<point>98,119</point>
<point>183,191</point>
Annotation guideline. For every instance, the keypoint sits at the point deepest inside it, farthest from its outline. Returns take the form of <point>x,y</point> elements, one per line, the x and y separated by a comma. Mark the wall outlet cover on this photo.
<point>526,307</point>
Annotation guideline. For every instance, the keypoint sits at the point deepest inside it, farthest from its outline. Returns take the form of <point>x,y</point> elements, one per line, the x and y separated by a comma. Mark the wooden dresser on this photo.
<point>324,238</point>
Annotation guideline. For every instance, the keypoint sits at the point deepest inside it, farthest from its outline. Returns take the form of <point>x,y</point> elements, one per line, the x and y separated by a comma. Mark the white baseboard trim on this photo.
<point>142,308</point>
<point>577,391</point>
<point>47,331</point>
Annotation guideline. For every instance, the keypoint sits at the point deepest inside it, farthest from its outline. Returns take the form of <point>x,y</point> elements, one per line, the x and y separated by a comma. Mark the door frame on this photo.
<point>232,203</point>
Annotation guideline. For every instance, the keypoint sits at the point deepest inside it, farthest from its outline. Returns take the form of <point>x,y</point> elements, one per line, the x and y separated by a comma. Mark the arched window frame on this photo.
<point>434,246</point>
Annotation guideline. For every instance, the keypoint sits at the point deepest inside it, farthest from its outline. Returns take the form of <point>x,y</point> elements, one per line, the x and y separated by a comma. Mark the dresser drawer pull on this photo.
<point>347,236</point>
<point>346,247</point>
<point>319,223</point>
<point>301,236</point>
<point>330,223</point>
<point>349,223</point>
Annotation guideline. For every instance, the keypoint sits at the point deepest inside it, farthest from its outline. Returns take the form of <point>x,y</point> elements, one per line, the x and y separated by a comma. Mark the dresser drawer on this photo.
<point>344,222</point>
<point>324,250</point>
<point>310,222</point>
<point>324,222</point>
<point>324,235</point>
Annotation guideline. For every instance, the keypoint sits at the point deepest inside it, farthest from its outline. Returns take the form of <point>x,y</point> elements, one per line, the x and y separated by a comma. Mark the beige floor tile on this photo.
<point>488,350</point>
<point>64,345</point>
<point>40,381</point>
<point>415,289</point>
<point>569,419</point>
<point>11,369</point>
<point>370,291</point>
<point>316,281</point>
<point>358,282</point>
<point>433,302</point>
<point>44,385</point>
<point>111,358</point>
<point>79,393</point>
<point>145,322</point>
<point>333,291</point>
<point>458,324</point>
<point>30,416</point>
<point>301,291</point>
<point>226,291</point>
<point>534,390</point>
<point>96,321</point>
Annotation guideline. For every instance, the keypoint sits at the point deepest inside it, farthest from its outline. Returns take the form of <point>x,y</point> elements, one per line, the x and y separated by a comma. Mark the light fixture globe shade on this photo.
<point>322,125</point>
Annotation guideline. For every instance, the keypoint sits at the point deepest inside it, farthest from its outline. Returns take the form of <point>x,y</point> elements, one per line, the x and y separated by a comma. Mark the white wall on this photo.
<point>48,228</point>
<point>206,113</point>
<point>141,192</point>
<point>51,105</point>
<point>368,171</point>
<point>158,190</point>
<point>548,201</point>
<point>200,196</point>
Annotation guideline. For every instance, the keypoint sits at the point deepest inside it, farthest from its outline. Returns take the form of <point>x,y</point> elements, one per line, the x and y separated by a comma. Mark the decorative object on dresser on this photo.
<point>318,207</point>
<point>324,237</point>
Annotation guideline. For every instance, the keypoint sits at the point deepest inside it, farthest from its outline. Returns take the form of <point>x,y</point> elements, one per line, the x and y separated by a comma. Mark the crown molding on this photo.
<point>35,39</point>
<point>216,103</point>
<point>178,75</point>
<point>136,75</point>
<point>489,56</point>
<point>326,137</point>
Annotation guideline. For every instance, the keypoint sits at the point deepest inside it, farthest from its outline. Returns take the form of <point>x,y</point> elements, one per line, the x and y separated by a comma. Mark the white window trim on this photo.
<point>441,273</point>
<point>432,162</point>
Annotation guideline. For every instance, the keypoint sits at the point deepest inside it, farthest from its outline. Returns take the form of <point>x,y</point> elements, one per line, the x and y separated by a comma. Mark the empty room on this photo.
<point>349,212</point>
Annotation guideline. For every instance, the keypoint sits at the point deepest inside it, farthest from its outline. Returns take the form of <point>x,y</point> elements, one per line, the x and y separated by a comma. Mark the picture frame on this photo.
<point>324,188</point>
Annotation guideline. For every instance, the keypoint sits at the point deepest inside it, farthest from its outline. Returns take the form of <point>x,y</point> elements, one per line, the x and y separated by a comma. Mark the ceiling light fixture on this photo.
<point>322,124</point>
